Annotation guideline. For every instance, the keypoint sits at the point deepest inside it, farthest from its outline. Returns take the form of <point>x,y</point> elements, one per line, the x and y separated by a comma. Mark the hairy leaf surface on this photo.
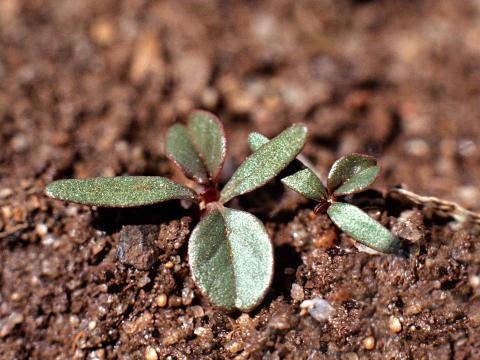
<point>198,149</point>
<point>256,140</point>
<point>306,183</point>
<point>359,181</point>
<point>264,164</point>
<point>354,171</point>
<point>362,227</point>
<point>231,258</point>
<point>121,191</point>
<point>208,136</point>
<point>182,152</point>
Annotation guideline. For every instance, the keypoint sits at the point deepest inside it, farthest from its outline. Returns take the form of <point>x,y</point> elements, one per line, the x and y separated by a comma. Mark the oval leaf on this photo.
<point>347,168</point>
<point>199,148</point>
<point>256,141</point>
<point>122,191</point>
<point>266,163</point>
<point>231,259</point>
<point>306,183</point>
<point>181,150</point>
<point>208,136</point>
<point>358,182</point>
<point>362,227</point>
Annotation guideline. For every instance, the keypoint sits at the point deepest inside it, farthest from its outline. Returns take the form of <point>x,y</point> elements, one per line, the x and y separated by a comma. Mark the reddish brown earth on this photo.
<point>87,88</point>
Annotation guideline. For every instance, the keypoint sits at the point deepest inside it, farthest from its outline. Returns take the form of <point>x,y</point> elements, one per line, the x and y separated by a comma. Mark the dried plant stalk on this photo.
<point>439,206</point>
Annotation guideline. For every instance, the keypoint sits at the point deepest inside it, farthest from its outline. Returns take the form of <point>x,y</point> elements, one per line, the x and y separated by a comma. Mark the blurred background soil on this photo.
<point>88,88</point>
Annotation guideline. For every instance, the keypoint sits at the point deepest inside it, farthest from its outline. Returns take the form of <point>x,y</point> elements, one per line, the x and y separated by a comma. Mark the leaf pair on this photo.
<point>198,148</point>
<point>230,254</point>
<point>348,175</point>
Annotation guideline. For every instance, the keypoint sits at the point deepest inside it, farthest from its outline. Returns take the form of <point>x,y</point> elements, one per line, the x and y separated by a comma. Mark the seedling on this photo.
<point>230,253</point>
<point>349,175</point>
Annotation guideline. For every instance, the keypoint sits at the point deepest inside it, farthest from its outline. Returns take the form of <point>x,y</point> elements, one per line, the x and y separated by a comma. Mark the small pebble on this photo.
<point>187,296</point>
<point>150,353</point>
<point>161,300</point>
<point>9,323</point>
<point>5,193</point>
<point>99,354</point>
<point>394,324</point>
<point>6,213</point>
<point>144,280</point>
<point>413,309</point>
<point>92,325</point>
<point>102,32</point>
<point>234,346</point>
<point>210,97</point>
<point>318,308</point>
<point>41,229</point>
<point>175,301</point>
<point>102,311</point>
<point>172,338</point>
<point>48,240</point>
<point>297,292</point>
<point>169,265</point>
<point>98,247</point>
<point>417,147</point>
<point>466,147</point>
<point>474,281</point>
<point>197,311</point>
<point>74,320</point>
<point>19,143</point>
<point>120,308</point>
<point>244,320</point>
<point>369,343</point>
<point>201,331</point>
<point>280,321</point>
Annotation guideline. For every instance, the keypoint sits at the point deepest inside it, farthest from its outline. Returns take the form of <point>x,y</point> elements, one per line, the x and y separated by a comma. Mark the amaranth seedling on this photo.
<point>230,253</point>
<point>349,175</point>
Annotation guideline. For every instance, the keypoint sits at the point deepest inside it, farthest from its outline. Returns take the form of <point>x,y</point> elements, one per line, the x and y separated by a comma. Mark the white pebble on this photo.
<point>394,324</point>
<point>474,281</point>
<point>150,353</point>
<point>187,296</point>
<point>297,292</point>
<point>369,343</point>
<point>5,193</point>
<point>41,229</point>
<point>318,308</point>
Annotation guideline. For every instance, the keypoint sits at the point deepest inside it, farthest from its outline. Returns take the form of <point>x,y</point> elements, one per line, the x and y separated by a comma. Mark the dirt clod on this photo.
<point>137,246</point>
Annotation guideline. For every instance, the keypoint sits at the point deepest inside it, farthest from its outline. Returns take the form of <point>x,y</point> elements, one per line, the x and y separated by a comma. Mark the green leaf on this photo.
<point>306,183</point>
<point>362,227</point>
<point>256,140</point>
<point>354,171</point>
<point>122,191</point>
<point>198,149</point>
<point>182,152</point>
<point>208,136</point>
<point>359,182</point>
<point>231,258</point>
<point>265,163</point>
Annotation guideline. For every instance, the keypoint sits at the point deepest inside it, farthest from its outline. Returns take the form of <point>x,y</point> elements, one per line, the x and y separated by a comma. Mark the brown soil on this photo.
<point>87,88</point>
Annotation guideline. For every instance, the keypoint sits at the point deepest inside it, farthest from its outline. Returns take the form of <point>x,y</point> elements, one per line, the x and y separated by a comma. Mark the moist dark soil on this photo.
<point>88,88</point>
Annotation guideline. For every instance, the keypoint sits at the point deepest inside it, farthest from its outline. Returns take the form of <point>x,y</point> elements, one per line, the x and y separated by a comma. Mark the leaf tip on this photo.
<point>53,190</point>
